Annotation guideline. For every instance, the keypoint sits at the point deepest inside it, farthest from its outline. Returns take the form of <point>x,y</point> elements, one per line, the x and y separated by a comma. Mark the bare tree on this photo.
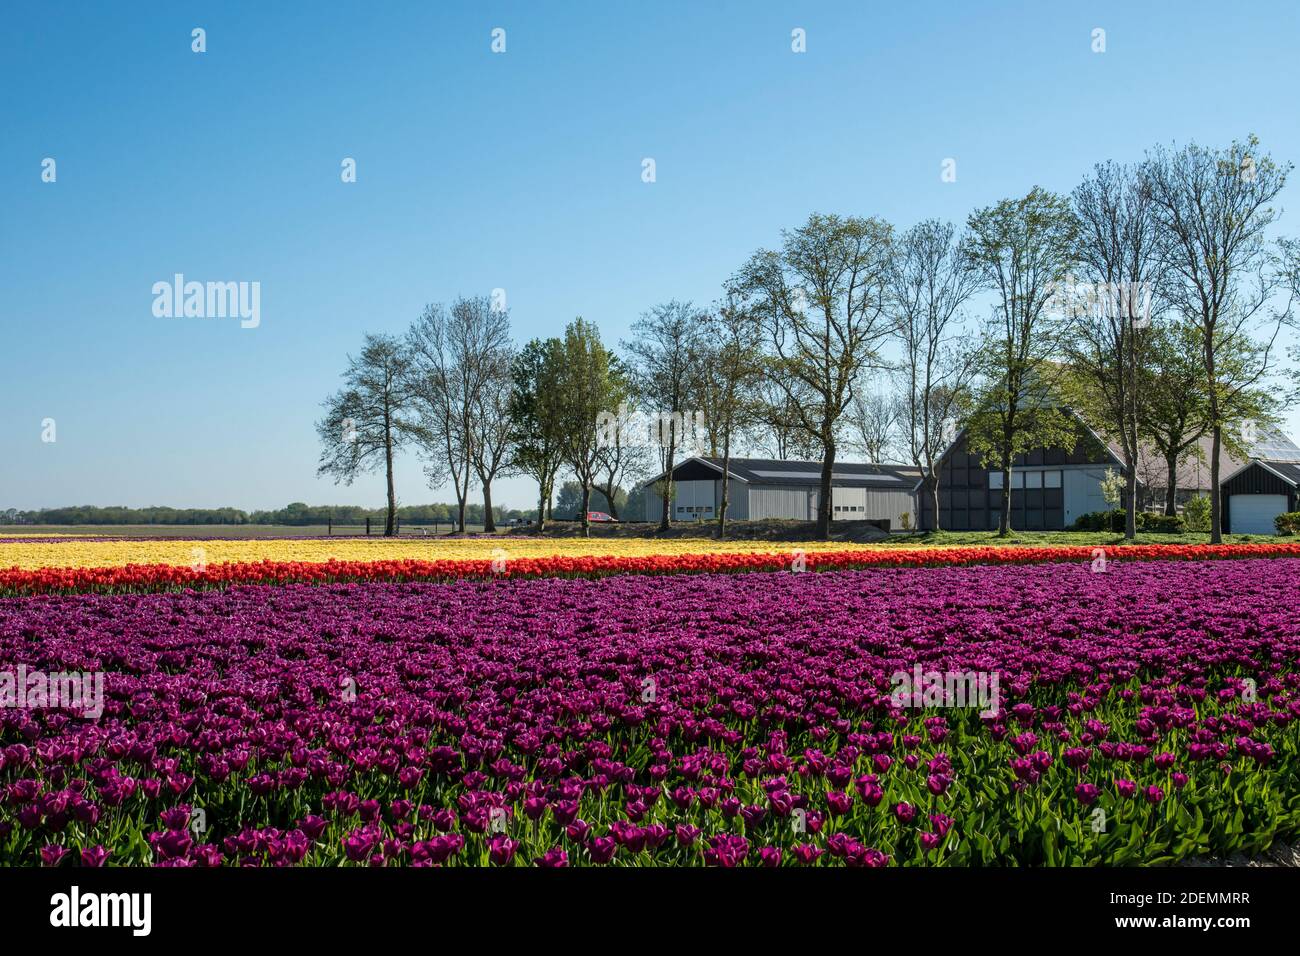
<point>821,300</point>
<point>931,277</point>
<point>875,419</point>
<point>774,423</point>
<point>623,455</point>
<point>665,351</point>
<point>732,364</point>
<point>487,354</point>
<point>441,386</point>
<point>1213,209</point>
<point>1108,313</point>
<point>363,424</point>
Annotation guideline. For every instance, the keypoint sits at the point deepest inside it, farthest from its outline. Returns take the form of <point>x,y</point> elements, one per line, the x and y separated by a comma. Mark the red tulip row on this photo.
<point>152,577</point>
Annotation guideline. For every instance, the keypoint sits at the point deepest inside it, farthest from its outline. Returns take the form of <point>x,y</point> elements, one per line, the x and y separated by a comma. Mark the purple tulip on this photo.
<point>501,850</point>
<point>53,855</point>
<point>95,856</point>
<point>552,859</point>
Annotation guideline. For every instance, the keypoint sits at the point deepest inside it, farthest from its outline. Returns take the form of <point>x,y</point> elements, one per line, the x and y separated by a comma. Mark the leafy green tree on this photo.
<point>1173,412</point>
<point>821,301</point>
<point>586,390</point>
<point>1023,249</point>
<point>537,417</point>
<point>1214,209</point>
<point>568,502</point>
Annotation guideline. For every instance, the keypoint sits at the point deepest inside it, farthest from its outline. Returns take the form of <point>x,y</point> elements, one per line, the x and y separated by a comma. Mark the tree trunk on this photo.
<point>824,502</point>
<point>390,523</point>
<point>1216,515</point>
<point>665,519</point>
<point>1171,485</point>
<point>1216,510</point>
<point>489,522</point>
<point>1130,520</point>
<point>542,495</point>
<point>933,484</point>
<point>1004,517</point>
<point>726,487</point>
<point>586,504</point>
<point>608,492</point>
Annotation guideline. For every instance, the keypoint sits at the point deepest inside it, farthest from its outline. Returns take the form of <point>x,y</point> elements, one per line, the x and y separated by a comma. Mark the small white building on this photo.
<point>766,488</point>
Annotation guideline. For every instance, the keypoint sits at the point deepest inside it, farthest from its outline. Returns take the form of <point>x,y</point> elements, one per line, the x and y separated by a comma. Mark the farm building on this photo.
<point>766,488</point>
<point>1191,475</point>
<point>1263,487</point>
<point>1050,487</point>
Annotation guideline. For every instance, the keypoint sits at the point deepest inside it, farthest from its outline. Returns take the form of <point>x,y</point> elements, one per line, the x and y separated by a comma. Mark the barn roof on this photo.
<point>772,471</point>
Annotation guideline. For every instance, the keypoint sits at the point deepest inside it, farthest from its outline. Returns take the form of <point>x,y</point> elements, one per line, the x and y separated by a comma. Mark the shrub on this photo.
<point>1161,524</point>
<point>1196,513</point>
<point>1288,523</point>
<point>1100,521</point>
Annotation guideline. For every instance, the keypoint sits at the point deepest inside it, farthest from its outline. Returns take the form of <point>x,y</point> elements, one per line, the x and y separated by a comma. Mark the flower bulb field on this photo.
<point>661,711</point>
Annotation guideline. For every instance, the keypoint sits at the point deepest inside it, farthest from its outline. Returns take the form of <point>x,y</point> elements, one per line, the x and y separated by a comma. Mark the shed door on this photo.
<point>1254,514</point>
<point>1083,493</point>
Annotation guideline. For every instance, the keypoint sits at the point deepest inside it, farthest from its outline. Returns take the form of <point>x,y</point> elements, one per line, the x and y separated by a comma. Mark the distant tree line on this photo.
<point>296,514</point>
<point>90,514</point>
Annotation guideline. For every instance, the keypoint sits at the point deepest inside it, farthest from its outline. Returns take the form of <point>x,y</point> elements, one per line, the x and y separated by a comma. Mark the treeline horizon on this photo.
<point>297,513</point>
<point>300,513</point>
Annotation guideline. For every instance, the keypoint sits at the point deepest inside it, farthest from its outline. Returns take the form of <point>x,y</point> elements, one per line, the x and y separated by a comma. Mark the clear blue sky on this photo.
<point>520,171</point>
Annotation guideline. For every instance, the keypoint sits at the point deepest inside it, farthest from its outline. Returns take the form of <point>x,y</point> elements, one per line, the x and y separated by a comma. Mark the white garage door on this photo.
<point>1254,514</point>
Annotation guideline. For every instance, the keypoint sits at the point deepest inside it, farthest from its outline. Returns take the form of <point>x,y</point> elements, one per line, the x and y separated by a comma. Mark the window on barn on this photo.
<point>1033,479</point>
<point>995,480</point>
<point>1051,479</point>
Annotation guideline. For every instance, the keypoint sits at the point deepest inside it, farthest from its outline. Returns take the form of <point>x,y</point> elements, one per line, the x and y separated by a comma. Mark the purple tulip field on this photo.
<point>1142,715</point>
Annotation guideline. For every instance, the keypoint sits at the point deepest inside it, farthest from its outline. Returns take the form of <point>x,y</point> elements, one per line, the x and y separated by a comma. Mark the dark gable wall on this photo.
<point>966,503</point>
<point>697,471</point>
